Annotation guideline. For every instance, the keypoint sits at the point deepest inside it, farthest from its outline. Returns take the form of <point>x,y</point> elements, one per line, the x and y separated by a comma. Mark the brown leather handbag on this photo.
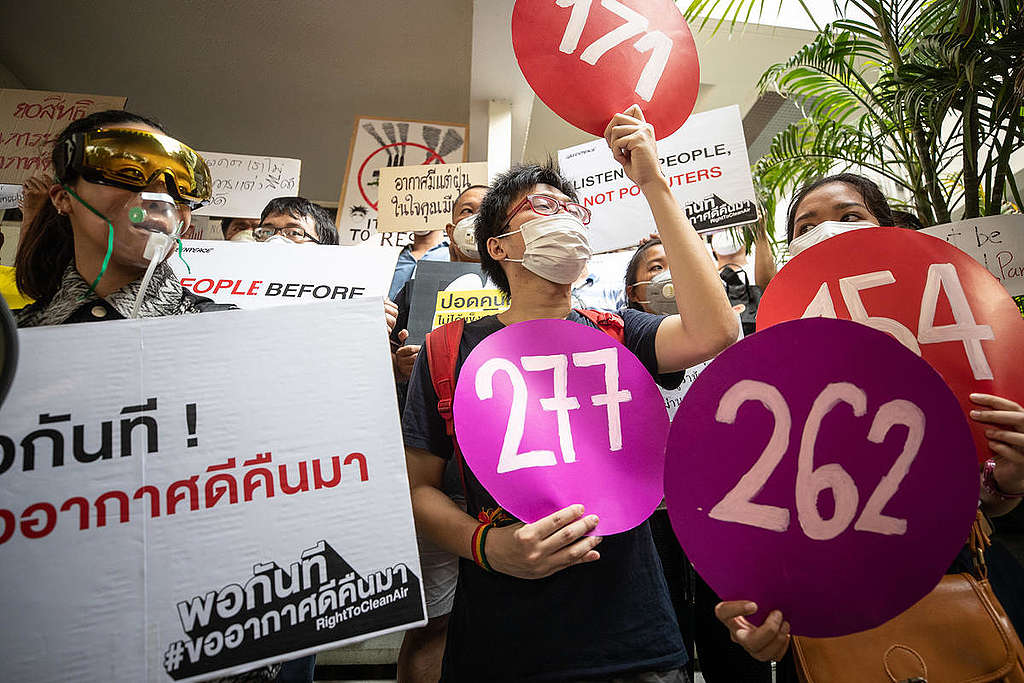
<point>958,633</point>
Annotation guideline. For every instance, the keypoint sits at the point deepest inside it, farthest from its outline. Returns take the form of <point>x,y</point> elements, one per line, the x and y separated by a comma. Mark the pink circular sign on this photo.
<point>589,60</point>
<point>549,413</point>
<point>820,468</point>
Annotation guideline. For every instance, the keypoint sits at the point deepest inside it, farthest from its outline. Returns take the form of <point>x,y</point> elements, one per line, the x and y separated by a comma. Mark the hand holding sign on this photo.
<point>631,140</point>
<point>793,462</point>
<point>588,59</point>
<point>549,413</point>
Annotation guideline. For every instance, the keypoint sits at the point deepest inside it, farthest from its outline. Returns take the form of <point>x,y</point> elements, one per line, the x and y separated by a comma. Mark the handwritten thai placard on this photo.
<point>257,275</point>
<point>422,197</point>
<point>159,530</point>
<point>706,165</point>
<point>997,242</point>
<point>378,144</point>
<point>30,120</point>
<point>243,184</point>
<point>468,305</point>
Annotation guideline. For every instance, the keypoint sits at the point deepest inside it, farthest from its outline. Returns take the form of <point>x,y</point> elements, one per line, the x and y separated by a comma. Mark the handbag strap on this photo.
<point>979,542</point>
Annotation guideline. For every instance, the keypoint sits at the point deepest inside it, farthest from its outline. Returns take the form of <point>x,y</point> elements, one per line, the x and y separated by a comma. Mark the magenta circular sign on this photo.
<point>821,468</point>
<point>550,413</point>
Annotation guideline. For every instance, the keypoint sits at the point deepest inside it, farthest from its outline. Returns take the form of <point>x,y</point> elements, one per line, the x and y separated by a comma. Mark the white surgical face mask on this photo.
<point>661,294</point>
<point>557,247</point>
<point>822,231</point>
<point>243,236</point>
<point>725,243</point>
<point>464,236</point>
<point>278,239</point>
<point>422,233</point>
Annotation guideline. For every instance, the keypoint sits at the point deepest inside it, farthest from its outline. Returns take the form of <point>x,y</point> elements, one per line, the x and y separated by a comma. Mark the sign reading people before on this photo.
<point>423,197</point>
<point>30,121</point>
<point>385,143</point>
<point>997,242</point>
<point>160,529</point>
<point>549,413</point>
<point>590,59</point>
<point>792,462</point>
<point>243,184</point>
<point>933,298</point>
<point>255,275</point>
<point>706,165</point>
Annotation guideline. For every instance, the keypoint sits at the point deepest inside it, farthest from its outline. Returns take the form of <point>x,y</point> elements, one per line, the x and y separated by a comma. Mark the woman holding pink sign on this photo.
<point>542,601</point>
<point>824,209</point>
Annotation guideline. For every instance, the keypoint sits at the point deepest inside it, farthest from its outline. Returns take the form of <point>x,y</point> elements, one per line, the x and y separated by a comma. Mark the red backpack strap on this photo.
<point>443,357</point>
<point>609,323</point>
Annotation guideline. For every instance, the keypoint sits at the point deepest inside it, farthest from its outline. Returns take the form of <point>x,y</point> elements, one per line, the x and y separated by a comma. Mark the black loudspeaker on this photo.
<point>8,349</point>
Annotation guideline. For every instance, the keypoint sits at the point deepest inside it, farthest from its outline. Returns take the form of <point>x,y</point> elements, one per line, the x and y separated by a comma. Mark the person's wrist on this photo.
<point>992,484</point>
<point>654,184</point>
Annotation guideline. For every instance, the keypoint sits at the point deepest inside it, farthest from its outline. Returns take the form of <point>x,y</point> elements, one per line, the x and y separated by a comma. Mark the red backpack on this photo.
<point>443,357</point>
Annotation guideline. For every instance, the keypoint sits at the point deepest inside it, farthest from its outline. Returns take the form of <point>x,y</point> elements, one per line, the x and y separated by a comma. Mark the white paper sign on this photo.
<point>243,184</point>
<point>997,242</point>
<point>382,143</point>
<point>172,508</point>
<point>707,167</point>
<point>423,197</point>
<point>10,195</point>
<point>255,275</point>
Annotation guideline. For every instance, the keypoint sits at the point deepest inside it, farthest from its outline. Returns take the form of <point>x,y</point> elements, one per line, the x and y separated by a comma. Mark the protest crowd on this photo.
<point>510,599</point>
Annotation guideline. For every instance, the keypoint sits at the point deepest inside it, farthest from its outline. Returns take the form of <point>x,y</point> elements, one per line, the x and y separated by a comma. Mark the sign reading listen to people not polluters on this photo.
<point>792,461</point>
<point>706,165</point>
<point>590,59</point>
<point>244,184</point>
<point>191,496</point>
<point>254,275</point>
<point>550,413</point>
<point>933,298</point>
<point>31,120</point>
<point>995,241</point>
<point>423,197</point>
<point>385,143</point>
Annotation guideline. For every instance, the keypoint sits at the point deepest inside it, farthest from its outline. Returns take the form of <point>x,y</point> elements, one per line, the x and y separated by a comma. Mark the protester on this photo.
<point>427,245</point>
<point>419,659</point>
<point>238,229</point>
<point>295,220</point>
<point>554,608</point>
<point>822,209</point>
<point>82,256</point>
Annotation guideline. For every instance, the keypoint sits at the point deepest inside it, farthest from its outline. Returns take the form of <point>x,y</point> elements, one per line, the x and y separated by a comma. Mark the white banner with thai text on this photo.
<point>244,184</point>
<point>192,496</point>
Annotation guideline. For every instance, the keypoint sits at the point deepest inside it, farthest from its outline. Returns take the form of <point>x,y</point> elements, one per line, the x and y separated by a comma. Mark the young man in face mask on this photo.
<point>295,220</point>
<point>554,607</point>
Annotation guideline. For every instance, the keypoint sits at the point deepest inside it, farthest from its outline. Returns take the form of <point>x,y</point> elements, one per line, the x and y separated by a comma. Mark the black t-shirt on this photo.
<point>600,619</point>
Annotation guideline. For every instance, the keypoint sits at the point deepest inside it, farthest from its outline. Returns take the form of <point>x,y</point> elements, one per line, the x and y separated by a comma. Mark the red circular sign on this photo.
<point>590,59</point>
<point>935,299</point>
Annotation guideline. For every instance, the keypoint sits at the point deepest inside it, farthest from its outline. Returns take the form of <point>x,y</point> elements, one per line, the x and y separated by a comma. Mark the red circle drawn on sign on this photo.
<point>359,176</point>
<point>909,256</point>
<point>591,59</point>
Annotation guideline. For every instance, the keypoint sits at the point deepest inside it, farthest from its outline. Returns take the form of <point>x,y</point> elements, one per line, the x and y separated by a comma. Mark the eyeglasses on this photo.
<point>549,206</point>
<point>262,233</point>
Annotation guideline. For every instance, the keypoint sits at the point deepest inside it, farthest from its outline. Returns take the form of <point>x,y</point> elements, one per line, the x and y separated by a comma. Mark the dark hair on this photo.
<point>47,245</point>
<point>471,187</point>
<point>634,267</point>
<point>225,223</point>
<point>905,219</point>
<point>873,198</point>
<point>300,207</point>
<point>506,190</point>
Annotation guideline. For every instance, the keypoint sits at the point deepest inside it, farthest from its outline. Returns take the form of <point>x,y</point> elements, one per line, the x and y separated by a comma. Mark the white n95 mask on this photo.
<point>464,236</point>
<point>557,247</point>
<point>822,231</point>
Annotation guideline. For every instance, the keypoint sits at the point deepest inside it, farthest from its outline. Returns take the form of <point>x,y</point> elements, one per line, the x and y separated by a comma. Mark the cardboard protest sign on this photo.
<point>707,167</point>
<point>549,413</point>
<point>443,291</point>
<point>587,65</point>
<point>255,275</point>
<point>30,120</point>
<point>244,184</point>
<point>10,196</point>
<point>423,197</point>
<point>793,462</point>
<point>191,496</point>
<point>997,242</point>
<point>383,143</point>
<point>933,298</point>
